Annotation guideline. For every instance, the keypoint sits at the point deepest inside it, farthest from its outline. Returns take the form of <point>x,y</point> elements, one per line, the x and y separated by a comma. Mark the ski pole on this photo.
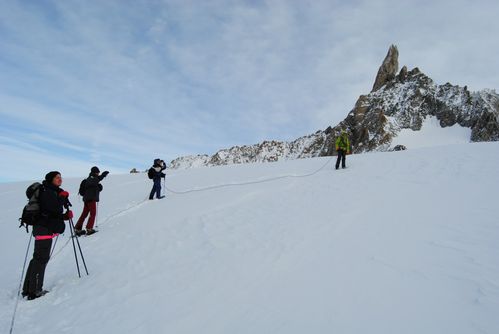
<point>164,186</point>
<point>73,236</point>
<point>79,247</point>
<point>53,247</point>
<point>74,248</point>
<point>20,284</point>
<point>97,216</point>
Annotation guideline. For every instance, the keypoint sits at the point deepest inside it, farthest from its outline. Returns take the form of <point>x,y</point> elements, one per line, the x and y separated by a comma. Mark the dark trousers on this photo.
<point>341,156</point>
<point>33,282</point>
<point>156,189</point>
<point>88,208</point>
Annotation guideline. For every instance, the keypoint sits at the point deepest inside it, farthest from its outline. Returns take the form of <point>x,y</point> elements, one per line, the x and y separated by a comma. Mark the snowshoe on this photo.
<point>91,231</point>
<point>79,233</point>
<point>35,295</point>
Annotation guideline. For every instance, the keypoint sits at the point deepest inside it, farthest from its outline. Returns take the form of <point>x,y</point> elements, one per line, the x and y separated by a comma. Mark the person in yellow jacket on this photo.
<point>343,148</point>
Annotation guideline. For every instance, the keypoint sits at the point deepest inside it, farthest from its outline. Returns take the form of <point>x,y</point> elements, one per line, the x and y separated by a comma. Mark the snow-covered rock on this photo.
<point>411,98</point>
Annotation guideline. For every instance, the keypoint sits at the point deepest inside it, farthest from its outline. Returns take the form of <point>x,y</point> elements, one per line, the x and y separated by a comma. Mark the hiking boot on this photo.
<point>37,294</point>
<point>79,233</point>
<point>91,231</point>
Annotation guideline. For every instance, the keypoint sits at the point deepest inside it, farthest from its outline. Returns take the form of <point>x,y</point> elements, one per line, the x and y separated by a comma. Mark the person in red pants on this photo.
<point>91,191</point>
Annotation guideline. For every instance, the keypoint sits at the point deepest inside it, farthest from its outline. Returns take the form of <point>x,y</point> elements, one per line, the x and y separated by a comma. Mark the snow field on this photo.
<point>400,242</point>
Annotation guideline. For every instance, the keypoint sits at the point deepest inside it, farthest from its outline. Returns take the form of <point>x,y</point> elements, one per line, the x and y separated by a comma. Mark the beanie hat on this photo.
<point>94,170</point>
<point>51,175</point>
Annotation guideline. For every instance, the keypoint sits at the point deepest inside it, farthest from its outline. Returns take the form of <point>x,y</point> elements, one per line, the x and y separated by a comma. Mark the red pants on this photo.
<point>89,207</point>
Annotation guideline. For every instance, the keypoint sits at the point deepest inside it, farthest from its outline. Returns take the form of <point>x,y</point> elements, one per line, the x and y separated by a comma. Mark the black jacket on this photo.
<point>93,188</point>
<point>157,175</point>
<point>51,210</point>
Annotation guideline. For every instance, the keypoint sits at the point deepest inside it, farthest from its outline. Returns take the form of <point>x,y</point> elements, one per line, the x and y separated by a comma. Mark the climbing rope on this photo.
<point>103,222</point>
<point>212,187</point>
<point>182,192</point>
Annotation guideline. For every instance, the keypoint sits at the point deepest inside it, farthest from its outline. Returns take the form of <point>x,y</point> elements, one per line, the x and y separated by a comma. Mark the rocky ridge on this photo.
<point>399,100</point>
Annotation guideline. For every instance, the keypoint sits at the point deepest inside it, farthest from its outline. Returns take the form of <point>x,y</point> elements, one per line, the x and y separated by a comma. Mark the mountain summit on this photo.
<point>398,102</point>
<point>388,69</point>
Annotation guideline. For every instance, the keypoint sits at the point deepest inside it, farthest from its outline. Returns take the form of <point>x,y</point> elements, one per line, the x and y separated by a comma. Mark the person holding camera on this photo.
<point>90,192</point>
<point>155,173</point>
<point>48,225</point>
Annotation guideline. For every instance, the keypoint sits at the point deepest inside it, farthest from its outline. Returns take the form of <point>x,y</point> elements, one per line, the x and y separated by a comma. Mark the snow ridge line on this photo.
<point>120,212</point>
<point>182,192</point>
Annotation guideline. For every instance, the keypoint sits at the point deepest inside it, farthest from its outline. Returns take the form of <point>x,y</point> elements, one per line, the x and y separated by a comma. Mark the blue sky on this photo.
<point>119,83</point>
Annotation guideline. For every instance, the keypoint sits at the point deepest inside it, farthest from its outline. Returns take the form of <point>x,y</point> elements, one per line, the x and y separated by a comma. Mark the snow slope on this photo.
<point>401,242</point>
<point>432,134</point>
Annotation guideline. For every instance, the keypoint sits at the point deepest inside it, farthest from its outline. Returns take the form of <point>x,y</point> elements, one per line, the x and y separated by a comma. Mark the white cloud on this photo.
<point>121,83</point>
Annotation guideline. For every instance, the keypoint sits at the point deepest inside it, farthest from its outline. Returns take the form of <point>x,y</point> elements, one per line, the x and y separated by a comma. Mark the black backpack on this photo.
<point>83,187</point>
<point>150,173</point>
<point>31,211</point>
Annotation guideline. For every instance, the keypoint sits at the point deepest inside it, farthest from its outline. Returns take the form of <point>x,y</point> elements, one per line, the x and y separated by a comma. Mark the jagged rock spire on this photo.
<point>388,69</point>
<point>402,101</point>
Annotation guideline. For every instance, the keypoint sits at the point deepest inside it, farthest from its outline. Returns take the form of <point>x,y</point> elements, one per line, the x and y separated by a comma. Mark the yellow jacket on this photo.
<point>342,143</point>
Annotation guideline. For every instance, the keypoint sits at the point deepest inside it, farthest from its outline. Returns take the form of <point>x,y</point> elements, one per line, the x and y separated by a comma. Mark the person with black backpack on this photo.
<point>90,189</point>
<point>47,224</point>
<point>155,173</point>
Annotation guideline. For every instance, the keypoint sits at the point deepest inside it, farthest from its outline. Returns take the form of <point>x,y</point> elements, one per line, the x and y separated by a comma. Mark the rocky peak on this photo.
<point>388,69</point>
<point>398,101</point>
<point>403,74</point>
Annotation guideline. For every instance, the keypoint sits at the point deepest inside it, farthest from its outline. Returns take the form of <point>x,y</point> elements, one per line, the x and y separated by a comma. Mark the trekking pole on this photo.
<point>97,216</point>
<point>79,247</point>
<point>72,228</point>
<point>53,247</point>
<point>164,186</point>
<point>73,236</point>
<point>74,248</point>
<point>20,284</point>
